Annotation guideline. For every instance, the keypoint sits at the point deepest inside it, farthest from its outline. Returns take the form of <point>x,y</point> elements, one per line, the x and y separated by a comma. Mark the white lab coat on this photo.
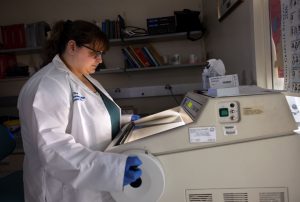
<point>65,126</point>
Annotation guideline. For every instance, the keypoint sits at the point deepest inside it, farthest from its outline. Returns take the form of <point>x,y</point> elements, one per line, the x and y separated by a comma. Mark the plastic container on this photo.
<point>205,79</point>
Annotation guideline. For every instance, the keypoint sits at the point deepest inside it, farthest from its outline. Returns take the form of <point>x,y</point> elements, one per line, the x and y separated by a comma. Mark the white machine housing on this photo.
<point>216,149</point>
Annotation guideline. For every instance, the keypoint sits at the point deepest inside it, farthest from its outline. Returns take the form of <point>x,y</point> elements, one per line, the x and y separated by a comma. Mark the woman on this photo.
<point>67,119</point>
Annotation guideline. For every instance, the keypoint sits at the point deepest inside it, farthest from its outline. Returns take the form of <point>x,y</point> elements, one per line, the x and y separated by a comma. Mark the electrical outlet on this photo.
<point>168,87</point>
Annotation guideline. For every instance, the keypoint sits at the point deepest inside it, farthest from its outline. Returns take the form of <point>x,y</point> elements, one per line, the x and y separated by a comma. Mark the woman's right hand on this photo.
<point>132,170</point>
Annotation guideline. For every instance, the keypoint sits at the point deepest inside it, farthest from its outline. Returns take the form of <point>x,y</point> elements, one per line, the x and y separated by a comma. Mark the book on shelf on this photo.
<point>13,36</point>
<point>118,29</point>
<point>150,56</point>
<point>135,56</point>
<point>155,54</point>
<point>103,27</point>
<point>138,56</point>
<point>107,28</point>
<point>7,61</point>
<point>144,56</point>
<point>36,34</point>
<point>129,59</point>
<point>139,53</point>
<point>111,28</point>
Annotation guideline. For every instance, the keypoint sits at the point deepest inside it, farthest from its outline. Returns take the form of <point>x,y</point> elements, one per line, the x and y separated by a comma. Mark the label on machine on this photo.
<point>202,134</point>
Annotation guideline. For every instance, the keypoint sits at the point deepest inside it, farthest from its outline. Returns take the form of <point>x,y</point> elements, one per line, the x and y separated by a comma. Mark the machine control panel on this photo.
<point>191,107</point>
<point>228,112</point>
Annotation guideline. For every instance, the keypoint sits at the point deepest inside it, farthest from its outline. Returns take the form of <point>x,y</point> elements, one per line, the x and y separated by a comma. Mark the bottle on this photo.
<point>205,81</point>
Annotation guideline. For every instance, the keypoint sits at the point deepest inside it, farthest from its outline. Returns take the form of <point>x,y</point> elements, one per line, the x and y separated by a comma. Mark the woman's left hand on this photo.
<point>135,117</point>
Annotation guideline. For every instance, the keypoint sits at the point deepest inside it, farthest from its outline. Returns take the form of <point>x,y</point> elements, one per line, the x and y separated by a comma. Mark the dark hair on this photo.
<point>82,32</point>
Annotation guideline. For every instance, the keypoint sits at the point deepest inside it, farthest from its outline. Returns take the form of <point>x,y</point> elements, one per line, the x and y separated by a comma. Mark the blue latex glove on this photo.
<point>132,172</point>
<point>135,117</point>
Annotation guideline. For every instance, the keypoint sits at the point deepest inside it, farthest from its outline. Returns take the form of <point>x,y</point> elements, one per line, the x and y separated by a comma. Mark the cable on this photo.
<point>169,87</point>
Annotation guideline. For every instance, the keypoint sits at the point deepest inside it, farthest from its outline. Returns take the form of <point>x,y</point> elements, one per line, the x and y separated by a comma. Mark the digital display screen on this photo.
<point>192,107</point>
<point>223,112</point>
<point>190,104</point>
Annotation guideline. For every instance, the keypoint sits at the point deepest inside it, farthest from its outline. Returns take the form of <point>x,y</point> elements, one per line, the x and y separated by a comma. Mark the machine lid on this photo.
<point>152,181</point>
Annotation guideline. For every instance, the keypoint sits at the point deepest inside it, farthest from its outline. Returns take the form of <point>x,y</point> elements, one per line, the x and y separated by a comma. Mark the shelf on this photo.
<point>122,70</point>
<point>165,67</point>
<point>17,78</point>
<point>110,70</point>
<point>8,101</point>
<point>115,42</point>
<point>21,50</point>
<point>154,38</point>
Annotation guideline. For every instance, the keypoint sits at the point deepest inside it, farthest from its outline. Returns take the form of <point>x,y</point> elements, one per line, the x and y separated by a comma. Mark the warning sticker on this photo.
<point>202,134</point>
<point>230,130</point>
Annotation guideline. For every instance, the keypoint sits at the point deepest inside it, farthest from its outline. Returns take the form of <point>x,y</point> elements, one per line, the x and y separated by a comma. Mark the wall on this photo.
<point>16,11</point>
<point>135,13</point>
<point>240,40</point>
<point>232,39</point>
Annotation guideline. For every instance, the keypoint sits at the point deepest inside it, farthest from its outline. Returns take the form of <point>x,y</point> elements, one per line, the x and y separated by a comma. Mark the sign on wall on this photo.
<point>290,27</point>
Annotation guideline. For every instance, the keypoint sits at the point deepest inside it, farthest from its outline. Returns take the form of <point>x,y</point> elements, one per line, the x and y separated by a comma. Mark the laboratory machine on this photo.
<point>215,149</point>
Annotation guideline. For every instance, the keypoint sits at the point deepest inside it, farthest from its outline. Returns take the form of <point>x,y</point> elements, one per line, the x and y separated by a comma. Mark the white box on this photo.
<point>221,92</point>
<point>226,81</point>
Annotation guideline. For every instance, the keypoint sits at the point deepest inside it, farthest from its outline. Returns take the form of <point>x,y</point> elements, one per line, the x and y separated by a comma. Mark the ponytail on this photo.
<point>80,31</point>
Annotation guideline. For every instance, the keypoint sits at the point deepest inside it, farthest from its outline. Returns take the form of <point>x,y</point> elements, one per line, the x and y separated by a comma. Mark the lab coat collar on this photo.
<point>59,64</point>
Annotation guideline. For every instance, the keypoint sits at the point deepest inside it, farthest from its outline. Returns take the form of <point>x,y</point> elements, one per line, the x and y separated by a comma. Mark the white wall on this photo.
<point>232,39</point>
<point>136,11</point>
<point>240,40</point>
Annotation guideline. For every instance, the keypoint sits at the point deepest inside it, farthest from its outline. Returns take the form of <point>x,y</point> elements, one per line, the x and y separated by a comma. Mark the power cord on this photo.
<point>169,87</point>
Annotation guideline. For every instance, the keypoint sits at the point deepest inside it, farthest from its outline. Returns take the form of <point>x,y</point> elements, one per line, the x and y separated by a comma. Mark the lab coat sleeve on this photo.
<point>125,118</point>
<point>63,158</point>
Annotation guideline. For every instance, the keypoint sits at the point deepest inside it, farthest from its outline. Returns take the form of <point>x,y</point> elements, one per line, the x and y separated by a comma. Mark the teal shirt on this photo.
<point>113,110</point>
<point>114,113</point>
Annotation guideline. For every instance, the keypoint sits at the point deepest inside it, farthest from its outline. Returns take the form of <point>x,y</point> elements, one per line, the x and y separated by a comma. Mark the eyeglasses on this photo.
<point>97,53</point>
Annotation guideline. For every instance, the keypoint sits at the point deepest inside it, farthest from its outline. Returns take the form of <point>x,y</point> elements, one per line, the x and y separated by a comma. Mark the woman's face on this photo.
<point>88,57</point>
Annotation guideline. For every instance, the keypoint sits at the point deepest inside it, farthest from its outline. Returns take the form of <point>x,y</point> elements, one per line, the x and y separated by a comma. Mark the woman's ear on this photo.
<point>71,47</point>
